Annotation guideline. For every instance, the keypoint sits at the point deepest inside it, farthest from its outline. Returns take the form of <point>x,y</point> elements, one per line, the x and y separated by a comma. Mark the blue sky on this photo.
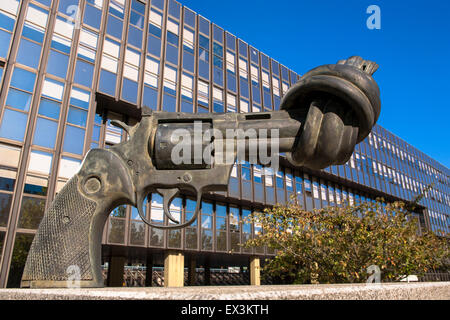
<point>412,48</point>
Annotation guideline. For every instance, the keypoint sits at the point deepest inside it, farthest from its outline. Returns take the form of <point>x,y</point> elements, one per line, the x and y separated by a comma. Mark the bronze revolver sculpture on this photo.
<point>321,119</point>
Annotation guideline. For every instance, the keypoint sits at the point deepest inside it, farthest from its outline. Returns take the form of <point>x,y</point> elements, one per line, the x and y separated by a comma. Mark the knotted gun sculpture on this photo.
<point>321,119</point>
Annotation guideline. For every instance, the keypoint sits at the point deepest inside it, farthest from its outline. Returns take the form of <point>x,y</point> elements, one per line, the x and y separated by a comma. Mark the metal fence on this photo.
<point>136,277</point>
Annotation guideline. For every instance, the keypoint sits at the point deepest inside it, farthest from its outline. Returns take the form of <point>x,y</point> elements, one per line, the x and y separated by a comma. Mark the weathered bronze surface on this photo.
<point>322,118</point>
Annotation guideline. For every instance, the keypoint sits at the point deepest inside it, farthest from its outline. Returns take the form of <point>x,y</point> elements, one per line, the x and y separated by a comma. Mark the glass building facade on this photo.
<point>55,55</point>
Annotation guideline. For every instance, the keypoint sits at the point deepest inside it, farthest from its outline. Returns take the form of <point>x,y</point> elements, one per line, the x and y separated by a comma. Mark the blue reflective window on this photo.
<point>5,38</point>
<point>158,4</point>
<point>275,67</point>
<point>116,9</point>
<point>231,81</point>
<point>45,133</point>
<point>49,108</point>
<point>96,133</point>
<point>154,30</point>
<point>244,88</point>
<point>13,125</point>
<point>84,73</point>
<point>79,102</point>
<point>203,69</point>
<point>204,26</point>
<point>172,54</point>
<point>1,74</point>
<point>256,94</point>
<point>169,103</point>
<point>203,42</point>
<point>218,49</point>
<point>172,38</point>
<point>77,116</point>
<point>6,22</point>
<point>129,90</point>
<point>154,46</point>
<point>33,33</point>
<point>218,107</point>
<point>107,82</point>
<point>231,42</point>
<point>187,106</point>
<point>150,98</point>
<point>135,36</point>
<point>189,17</point>
<point>218,34</point>
<point>74,140</point>
<point>29,53</point>
<point>92,16</point>
<point>23,79</point>
<point>254,55</point>
<point>114,27</point>
<point>188,61</point>
<point>61,44</point>
<point>218,76</point>
<point>137,19</point>
<point>68,6</point>
<point>246,174</point>
<point>264,61</point>
<point>18,99</point>
<point>57,64</point>
<point>174,9</point>
<point>138,6</point>
<point>242,48</point>
<point>217,62</point>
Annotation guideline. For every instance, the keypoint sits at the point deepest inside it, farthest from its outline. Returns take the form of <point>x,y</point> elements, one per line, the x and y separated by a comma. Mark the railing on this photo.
<point>135,277</point>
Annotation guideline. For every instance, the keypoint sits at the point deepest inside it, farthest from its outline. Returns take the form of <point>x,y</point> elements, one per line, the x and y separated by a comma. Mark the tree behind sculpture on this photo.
<point>339,244</point>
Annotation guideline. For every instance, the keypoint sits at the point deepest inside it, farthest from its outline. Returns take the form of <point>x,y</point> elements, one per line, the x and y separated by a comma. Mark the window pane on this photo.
<point>92,16</point>
<point>150,98</point>
<point>6,21</point>
<point>83,73</point>
<point>129,90</point>
<point>107,82</point>
<point>80,98</point>
<point>49,109</point>
<point>169,103</point>
<point>31,212</point>
<point>23,79</point>
<point>154,46</point>
<point>114,27</point>
<point>5,38</point>
<point>21,247</point>
<point>65,6</point>
<point>45,133</point>
<point>116,231</point>
<point>135,36</point>
<point>18,99</point>
<point>74,140</point>
<point>5,206</point>
<point>77,116</point>
<point>57,64</point>
<point>29,53</point>
<point>13,125</point>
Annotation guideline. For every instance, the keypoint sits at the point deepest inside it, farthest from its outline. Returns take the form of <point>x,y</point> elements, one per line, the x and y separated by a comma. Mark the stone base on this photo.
<point>388,291</point>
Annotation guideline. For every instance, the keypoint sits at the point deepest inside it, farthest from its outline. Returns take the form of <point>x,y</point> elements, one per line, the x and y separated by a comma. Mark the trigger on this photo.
<point>168,196</point>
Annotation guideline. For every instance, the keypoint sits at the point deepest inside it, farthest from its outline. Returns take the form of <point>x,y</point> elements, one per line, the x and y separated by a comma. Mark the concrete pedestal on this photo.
<point>385,291</point>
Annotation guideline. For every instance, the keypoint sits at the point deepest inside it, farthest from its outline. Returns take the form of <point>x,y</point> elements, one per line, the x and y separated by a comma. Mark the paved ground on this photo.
<point>401,291</point>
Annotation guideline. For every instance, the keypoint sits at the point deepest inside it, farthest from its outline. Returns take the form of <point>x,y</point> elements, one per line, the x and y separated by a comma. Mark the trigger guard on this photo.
<point>139,206</point>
